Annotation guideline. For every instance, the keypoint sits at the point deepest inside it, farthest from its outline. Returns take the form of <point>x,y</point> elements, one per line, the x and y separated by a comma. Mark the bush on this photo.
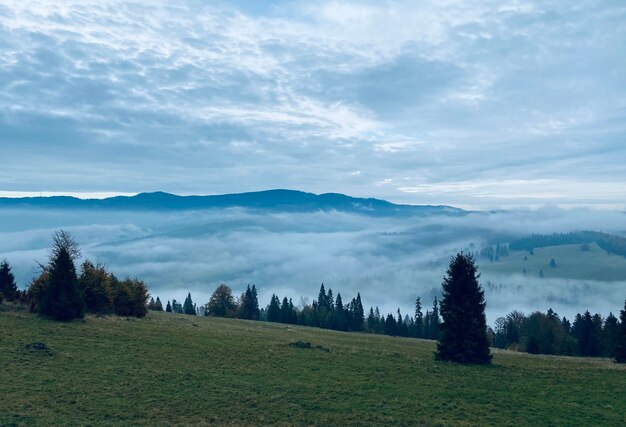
<point>130,297</point>
<point>95,283</point>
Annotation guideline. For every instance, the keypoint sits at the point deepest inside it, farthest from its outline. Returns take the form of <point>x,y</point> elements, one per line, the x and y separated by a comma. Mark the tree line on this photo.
<point>612,244</point>
<point>547,333</point>
<point>463,298</point>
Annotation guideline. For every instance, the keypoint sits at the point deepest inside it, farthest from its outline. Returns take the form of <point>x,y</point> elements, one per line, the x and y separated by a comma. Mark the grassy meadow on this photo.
<point>571,263</point>
<point>172,369</point>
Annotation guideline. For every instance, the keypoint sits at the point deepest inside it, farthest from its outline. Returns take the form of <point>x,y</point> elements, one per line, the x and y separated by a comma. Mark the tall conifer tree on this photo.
<point>8,288</point>
<point>463,333</point>
<point>62,298</point>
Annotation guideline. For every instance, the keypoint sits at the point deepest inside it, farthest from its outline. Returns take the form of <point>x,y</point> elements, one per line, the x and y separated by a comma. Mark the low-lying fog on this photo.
<point>389,260</point>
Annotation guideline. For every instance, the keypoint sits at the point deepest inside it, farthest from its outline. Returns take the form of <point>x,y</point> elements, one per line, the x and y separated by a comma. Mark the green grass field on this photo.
<point>181,370</point>
<point>571,263</point>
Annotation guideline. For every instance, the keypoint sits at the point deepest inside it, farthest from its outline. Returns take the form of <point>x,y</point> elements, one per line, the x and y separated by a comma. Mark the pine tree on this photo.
<point>188,307</point>
<point>620,347</point>
<point>463,333</point>
<point>168,307</point>
<point>8,288</point>
<point>62,299</point>
<point>158,306</point>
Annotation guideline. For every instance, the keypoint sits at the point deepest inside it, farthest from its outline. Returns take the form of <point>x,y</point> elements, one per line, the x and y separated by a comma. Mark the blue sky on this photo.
<point>467,103</point>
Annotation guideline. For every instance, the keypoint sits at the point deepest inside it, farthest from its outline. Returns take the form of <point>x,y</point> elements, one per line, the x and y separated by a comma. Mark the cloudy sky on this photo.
<point>463,102</point>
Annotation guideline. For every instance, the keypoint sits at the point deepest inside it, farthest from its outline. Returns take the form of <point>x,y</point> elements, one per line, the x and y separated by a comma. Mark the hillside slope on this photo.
<point>571,263</point>
<point>178,370</point>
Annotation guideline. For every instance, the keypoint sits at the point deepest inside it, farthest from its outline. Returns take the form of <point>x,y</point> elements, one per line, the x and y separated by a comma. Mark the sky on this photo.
<point>471,103</point>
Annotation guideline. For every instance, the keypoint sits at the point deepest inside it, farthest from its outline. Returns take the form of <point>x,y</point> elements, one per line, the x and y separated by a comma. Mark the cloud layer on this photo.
<point>461,102</point>
<point>390,261</point>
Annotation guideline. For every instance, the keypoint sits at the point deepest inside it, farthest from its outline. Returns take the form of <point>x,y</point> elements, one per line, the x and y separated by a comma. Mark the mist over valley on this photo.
<point>390,255</point>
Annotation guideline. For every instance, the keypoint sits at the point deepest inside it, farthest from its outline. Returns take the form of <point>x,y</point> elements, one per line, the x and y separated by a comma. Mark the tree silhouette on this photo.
<point>188,307</point>
<point>62,298</point>
<point>222,303</point>
<point>463,333</point>
<point>8,288</point>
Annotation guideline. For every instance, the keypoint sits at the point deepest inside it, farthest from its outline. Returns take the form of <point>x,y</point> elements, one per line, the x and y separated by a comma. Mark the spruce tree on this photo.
<point>285,314</point>
<point>158,306</point>
<point>620,347</point>
<point>255,304</point>
<point>339,316</point>
<point>273,310</point>
<point>390,325</point>
<point>168,307</point>
<point>62,299</point>
<point>463,333</point>
<point>419,319</point>
<point>8,288</point>
<point>358,315</point>
<point>188,307</point>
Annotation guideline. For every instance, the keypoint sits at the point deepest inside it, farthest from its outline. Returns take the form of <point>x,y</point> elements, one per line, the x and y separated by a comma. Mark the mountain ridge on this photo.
<point>270,200</point>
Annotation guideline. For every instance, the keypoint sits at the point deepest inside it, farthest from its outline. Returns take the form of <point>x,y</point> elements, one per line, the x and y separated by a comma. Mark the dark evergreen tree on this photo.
<point>273,310</point>
<point>357,316</point>
<point>463,333</point>
<point>177,307</point>
<point>168,307</point>
<point>285,312</point>
<point>256,313</point>
<point>588,332</point>
<point>372,323</point>
<point>158,306</point>
<point>324,308</point>
<point>620,347</point>
<point>339,320</point>
<point>62,298</point>
<point>610,333</point>
<point>419,319</point>
<point>402,329</point>
<point>249,304</point>
<point>390,325</point>
<point>188,307</point>
<point>8,287</point>
<point>293,315</point>
<point>151,304</point>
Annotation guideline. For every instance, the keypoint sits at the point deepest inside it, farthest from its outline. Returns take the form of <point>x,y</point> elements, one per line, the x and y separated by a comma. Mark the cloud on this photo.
<point>233,96</point>
<point>390,261</point>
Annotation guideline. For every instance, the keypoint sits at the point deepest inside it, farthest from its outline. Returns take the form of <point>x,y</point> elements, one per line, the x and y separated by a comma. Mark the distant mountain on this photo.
<point>270,200</point>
